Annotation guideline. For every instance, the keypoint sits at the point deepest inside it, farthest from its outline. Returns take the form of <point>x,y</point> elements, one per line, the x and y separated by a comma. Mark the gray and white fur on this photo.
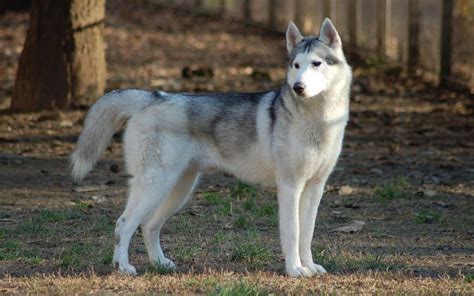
<point>289,138</point>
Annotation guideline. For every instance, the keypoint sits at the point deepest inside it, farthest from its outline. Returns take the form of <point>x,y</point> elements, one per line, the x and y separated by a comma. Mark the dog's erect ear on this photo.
<point>329,35</point>
<point>293,36</point>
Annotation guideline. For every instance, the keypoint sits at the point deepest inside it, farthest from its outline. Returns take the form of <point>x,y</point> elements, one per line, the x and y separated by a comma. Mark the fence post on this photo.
<point>299,14</point>
<point>247,12</point>
<point>328,9</point>
<point>413,36</point>
<point>198,3</point>
<point>384,8</point>
<point>446,42</point>
<point>272,13</point>
<point>353,22</point>
<point>222,7</point>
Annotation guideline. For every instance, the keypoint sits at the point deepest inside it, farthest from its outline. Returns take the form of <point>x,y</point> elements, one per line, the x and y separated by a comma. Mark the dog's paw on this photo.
<point>167,263</point>
<point>127,269</point>
<point>298,271</point>
<point>315,268</point>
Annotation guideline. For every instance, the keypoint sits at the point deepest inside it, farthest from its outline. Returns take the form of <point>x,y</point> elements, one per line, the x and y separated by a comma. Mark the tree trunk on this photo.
<point>63,59</point>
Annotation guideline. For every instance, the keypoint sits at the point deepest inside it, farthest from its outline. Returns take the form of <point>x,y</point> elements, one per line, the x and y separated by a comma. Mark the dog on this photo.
<point>289,138</point>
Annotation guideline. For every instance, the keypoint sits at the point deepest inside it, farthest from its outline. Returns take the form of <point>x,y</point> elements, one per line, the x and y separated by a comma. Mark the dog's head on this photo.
<point>315,61</point>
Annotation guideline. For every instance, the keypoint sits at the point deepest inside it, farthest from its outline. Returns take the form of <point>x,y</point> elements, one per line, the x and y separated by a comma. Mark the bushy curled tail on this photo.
<point>105,117</point>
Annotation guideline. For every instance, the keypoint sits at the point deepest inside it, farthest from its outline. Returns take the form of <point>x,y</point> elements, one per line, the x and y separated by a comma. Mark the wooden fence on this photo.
<point>433,38</point>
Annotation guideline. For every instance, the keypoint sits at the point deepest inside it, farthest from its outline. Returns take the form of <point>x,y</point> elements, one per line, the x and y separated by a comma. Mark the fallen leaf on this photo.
<point>66,123</point>
<point>81,189</point>
<point>376,171</point>
<point>355,226</point>
<point>429,192</point>
<point>345,190</point>
<point>98,198</point>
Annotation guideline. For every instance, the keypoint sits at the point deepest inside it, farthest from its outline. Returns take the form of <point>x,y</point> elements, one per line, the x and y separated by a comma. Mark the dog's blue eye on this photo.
<point>316,64</point>
<point>297,66</point>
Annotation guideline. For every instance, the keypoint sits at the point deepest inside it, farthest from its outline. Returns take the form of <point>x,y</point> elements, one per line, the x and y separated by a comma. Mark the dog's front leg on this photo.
<point>288,202</point>
<point>308,210</point>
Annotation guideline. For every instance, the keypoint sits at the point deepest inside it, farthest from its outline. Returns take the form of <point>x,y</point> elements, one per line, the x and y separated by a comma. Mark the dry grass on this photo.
<point>212,282</point>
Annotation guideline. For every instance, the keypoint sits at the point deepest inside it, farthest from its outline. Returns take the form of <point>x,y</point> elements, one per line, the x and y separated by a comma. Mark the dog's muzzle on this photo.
<point>299,88</point>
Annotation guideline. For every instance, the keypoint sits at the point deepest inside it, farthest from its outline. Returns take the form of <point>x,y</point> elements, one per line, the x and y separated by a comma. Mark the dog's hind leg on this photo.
<point>175,201</point>
<point>147,192</point>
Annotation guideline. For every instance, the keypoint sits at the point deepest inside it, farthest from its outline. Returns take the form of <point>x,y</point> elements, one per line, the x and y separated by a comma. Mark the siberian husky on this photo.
<point>289,138</point>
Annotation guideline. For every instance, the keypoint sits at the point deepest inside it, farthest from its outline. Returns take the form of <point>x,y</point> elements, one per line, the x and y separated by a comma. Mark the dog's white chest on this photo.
<point>313,153</point>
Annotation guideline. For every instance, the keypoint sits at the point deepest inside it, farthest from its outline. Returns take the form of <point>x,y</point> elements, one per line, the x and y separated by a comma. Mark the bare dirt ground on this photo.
<point>407,171</point>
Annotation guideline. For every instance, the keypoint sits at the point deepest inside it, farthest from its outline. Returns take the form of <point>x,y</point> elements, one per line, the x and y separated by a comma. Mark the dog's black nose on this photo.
<point>299,88</point>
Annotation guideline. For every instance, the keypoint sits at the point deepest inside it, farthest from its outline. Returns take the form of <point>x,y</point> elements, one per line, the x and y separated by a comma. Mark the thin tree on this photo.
<point>63,59</point>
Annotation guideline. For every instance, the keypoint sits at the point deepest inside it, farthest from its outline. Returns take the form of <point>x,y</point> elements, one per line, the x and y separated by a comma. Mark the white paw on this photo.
<point>165,262</point>
<point>298,271</point>
<point>127,269</point>
<point>315,268</point>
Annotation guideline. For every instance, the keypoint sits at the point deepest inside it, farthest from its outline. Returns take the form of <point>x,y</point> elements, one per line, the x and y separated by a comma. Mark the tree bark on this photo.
<point>63,59</point>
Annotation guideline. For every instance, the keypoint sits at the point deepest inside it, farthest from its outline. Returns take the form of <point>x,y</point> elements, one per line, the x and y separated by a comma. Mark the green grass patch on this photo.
<point>106,255</point>
<point>32,257</point>
<point>251,250</point>
<point>83,205</point>
<point>159,269</point>
<point>249,208</point>
<point>239,289</point>
<point>80,255</point>
<point>58,216</point>
<point>267,211</point>
<point>186,253</point>
<point>76,255</point>
<point>243,222</point>
<point>10,249</point>
<point>13,249</point>
<point>250,204</point>
<point>393,189</point>
<point>224,237</point>
<point>32,227</point>
<point>243,190</point>
<point>41,224</point>
<point>35,260</point>
<point>377,262</point>
<point>212,198</point>
<point>103,225</point>
<point>183,224</point>
<point>428,216</point>
<point>469,278</point>
<point>334,262</point>
<point>226,208</point>
<point>327,259</point>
